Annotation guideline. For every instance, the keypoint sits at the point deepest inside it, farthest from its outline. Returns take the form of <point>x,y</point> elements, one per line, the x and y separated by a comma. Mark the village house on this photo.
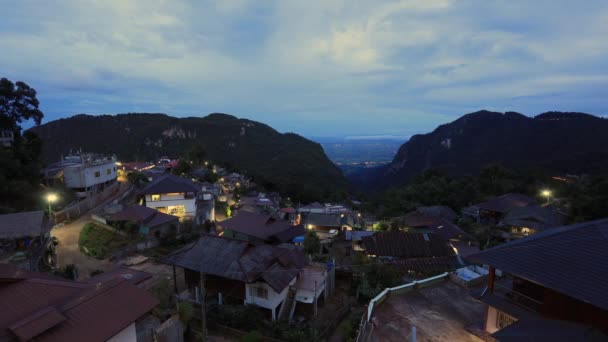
<point>85,173</point>
<point>494,209</point>
<point>239,272</point>
<point>173,195</point>
<point>524,221</point>
<point>135,166</point>
<point>427,221</point>
<point>151,224</point>
<point>554,285</point>
<point>260,228</point>
<point>412,252</point>
<point>25,239</point>
<point>40,307</point>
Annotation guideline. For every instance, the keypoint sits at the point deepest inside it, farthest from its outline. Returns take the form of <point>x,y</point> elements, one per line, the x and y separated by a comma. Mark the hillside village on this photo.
<point>180,249</point>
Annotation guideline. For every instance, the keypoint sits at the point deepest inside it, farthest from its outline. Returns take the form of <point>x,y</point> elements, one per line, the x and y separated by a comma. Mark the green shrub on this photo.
<point>253,336</point>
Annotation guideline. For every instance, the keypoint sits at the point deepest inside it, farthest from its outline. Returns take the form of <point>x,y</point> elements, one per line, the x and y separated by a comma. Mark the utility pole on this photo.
<point>203,313</point>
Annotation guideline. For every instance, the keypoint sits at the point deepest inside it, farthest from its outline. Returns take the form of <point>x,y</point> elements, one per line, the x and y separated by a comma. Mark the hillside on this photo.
<point>554,141</point>
<point>284,162</point>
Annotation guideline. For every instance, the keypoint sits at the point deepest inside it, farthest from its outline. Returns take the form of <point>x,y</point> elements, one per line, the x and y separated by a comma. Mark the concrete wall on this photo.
<point>83,176</point>
<point>128,334</point>
<point>491,320</point>
<point>173,200</point>
<point>274,298</point>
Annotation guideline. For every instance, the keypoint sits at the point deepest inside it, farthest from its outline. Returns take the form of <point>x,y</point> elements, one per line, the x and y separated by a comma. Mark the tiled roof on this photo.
<point>506,202</point>
<point>572,260</point>
<point>147,216</point>
<point>406,245</point>
<point>240,260</point>
<point>29,223</point>
<point>168,183</point>
<point>357,235</point>
<point>257,225</point>
<point>34,306</point>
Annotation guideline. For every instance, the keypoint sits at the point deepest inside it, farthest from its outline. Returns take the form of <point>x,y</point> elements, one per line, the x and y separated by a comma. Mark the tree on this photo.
<point>312,245</point>
<point>183,167</point>
<point>197,154</point>
<point>18,103</point>
<point>19,163</point>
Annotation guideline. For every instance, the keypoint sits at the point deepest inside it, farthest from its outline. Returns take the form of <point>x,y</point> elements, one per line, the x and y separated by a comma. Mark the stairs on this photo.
<point>288,306</point>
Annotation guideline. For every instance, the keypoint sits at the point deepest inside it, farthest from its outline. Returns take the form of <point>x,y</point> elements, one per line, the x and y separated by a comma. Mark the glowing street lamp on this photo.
<point>51,198</point>
<point>547,194</point>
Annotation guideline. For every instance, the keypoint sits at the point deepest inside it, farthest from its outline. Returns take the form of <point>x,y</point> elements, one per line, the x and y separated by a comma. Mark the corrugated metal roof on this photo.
<point>572,260</point>
<point>145,215</point>
<point>438,225</point>
<point>169,183</point>
<point>442,211</point>
<point>240,260</point>
<point>29,223</point>
<point>535,217</point>
<point>92,312</point>
<point>406,245</point>
<point>506,202</point>
<point>540,330</point>
<point>257,225</point>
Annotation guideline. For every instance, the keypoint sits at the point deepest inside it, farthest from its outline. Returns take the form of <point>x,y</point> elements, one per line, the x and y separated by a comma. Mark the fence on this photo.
<point>364,328</point>
<point>79,208</point>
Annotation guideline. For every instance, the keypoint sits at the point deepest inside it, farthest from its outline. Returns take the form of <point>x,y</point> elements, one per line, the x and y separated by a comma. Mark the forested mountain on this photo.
<point>284,162</point>
<point>553,141</point>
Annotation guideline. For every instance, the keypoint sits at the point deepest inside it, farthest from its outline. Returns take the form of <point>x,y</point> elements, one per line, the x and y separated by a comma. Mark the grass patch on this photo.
<point>99,242</point>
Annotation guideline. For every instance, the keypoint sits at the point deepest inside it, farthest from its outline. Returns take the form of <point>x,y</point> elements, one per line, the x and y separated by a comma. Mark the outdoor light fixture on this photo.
<point>51,198</point>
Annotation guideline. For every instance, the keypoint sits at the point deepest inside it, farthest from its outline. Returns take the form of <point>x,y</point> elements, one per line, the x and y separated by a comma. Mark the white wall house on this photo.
<point>172,195</point>
<point>86,178</point>
<point>262,295</point>
<point>180,204</point>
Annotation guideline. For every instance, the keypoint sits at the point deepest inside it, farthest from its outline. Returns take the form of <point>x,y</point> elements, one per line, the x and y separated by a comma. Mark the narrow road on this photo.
<point>68,250</point>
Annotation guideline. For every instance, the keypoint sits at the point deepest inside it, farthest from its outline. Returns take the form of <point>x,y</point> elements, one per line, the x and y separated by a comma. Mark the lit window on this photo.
<point>503,320</point>
<point>155,198</point>
<point>177,210</point>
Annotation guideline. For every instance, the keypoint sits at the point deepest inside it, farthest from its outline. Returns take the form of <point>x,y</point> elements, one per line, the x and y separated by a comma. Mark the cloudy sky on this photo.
<point>315,67</point>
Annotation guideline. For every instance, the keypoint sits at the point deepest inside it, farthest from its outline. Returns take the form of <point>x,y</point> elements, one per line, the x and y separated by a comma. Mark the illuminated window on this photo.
<point>155,197</point>
<point>503,320</point>
<point>176,210</point>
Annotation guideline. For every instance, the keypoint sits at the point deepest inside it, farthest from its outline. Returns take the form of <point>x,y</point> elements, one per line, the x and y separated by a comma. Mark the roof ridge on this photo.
<point>551,232</point>
<point>93,292</point>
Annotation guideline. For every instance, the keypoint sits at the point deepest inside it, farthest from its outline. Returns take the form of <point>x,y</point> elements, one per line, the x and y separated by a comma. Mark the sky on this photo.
<point>314,67</point>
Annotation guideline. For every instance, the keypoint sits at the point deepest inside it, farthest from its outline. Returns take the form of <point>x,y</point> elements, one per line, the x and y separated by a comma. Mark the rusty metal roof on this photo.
<point>36,307</point>
<point>239,260</point>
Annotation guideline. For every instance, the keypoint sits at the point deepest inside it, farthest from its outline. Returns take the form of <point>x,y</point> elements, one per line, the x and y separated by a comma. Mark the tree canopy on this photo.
<point>19,162</point>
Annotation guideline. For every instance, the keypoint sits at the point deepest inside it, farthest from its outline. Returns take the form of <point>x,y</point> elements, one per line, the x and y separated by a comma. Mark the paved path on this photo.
<point>68,250</point>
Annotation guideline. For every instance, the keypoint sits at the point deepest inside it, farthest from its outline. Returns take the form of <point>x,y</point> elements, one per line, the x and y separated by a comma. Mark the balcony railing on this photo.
<point>504,289</point>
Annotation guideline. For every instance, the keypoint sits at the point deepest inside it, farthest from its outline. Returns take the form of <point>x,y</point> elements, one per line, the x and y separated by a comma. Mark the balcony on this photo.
<point>504,289</point>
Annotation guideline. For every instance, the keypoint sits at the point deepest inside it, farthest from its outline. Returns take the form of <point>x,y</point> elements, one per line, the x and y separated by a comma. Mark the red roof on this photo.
<point>34,306</point>
<point>288,210</point>
<point>143,215</point>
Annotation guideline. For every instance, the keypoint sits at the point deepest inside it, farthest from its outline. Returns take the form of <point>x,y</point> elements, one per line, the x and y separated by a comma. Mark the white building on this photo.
<point>172,195</point>
<point>86,174</point>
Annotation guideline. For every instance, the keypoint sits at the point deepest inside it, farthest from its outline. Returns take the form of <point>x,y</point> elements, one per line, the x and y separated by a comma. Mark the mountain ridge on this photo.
<point>556,141</point>
<point>285,162</point>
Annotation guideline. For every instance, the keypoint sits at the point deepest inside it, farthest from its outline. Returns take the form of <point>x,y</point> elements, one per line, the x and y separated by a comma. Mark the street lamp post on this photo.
<point>51,198</point>
<point>547,194</point>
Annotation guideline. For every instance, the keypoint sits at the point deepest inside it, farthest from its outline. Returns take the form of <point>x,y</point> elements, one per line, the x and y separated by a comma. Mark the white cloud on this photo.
<point>358,65</point>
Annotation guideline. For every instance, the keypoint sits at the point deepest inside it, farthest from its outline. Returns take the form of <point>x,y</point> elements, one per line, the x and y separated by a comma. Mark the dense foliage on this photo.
<point>19,162</point>
<point>582,198</point>
<point>287,163</point>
